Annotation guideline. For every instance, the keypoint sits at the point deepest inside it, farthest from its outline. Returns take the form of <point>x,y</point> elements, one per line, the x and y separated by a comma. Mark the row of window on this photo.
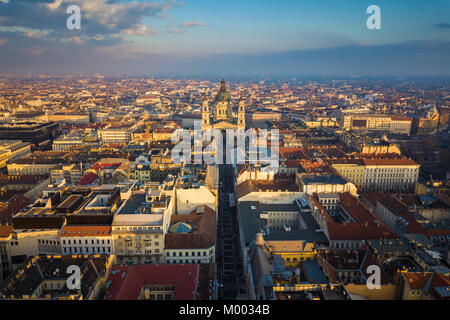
<point>137,238</point>
<point>48,242</point>
<point>87,250</point>
<point>138,244</point>
<point>138,252</point>
<point>391,170</point>
<point>398,183</point>
<point>137,228</point>
<point>160,297</point>
<point>187,253</point>
<point>282,220</point>
<point>295,259</point>
<point>346,245</point>
<point>329,200</point>
<point>417,293</point>
<point>86,241</point>
<point>184,261</point>
<point>283,213</point>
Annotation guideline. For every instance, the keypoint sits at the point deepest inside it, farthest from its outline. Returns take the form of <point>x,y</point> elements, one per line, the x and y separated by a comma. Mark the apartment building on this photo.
<point>63,142</point>
<point>115,135</point>
<point>310,184</point>
<point>36,133</point>
<point>41,169</point>
<point>5,255</point>
<point>26,243</point>
<point>374,122</point>
<point>192,238</point>
<point>425,286</point>
<point>13,149</point>
<point>46,278</point>
<point>379,174</point>
<point>138,228</point>
<point>154,171</point>
<point>72,118</point>
<point>390,174</point>
<point>351,169</point>
<point>348,222</point>
<point>71,173</point>
<point>160,282</point>
<point>81,239</point>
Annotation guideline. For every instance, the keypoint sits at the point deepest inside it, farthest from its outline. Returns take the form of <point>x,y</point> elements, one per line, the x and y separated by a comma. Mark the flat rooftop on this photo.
<point>249,212</point>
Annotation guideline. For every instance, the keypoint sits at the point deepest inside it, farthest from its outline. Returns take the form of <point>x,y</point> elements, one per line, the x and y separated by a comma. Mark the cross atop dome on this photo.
<point>222,85</point>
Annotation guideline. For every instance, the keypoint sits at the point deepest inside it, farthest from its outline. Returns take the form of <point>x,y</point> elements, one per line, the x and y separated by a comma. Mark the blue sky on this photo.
<point>164,33</point>
<point>268,26</point>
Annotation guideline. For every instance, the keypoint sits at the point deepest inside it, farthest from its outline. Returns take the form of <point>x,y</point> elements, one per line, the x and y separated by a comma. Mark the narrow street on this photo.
<point>228,256</point>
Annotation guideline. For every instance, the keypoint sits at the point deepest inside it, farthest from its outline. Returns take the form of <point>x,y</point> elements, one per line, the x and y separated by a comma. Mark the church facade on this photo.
<point>222,117</point>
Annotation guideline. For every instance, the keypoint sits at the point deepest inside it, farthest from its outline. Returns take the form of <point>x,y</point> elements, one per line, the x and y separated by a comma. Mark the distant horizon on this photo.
<point>232,77</point>
<point>428,58</point>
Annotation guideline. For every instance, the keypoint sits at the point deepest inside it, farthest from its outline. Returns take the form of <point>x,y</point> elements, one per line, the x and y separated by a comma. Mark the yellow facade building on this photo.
<point>351,170</point>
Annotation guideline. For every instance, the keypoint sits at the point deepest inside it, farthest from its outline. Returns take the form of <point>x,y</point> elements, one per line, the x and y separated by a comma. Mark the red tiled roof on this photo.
<point>373,197</point>
<point>389,162</point>
<point>398,208</point>
<point>367,227</point>
<point>292,152</point>
<point>5,231</point>
<point>85,231</point>
<point>100,166</point>
<point>18,202</point>
<point>400,118</point>
<point>417,280</point>
<point>356,209</point>
<point>14,205</point>
<point>395,206</point>
<point>292,163</point>
<point>357,231</point>
<point>421,280</point>
<point>126,282</point>
<point>202,236</point>
<point>439,280</point>
<point>21,179</point>
<point>413,226</point>
<point>164,130</point>
<point>87,179</point>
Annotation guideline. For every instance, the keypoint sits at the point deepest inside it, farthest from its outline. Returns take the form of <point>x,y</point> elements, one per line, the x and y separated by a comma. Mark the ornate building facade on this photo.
<point>223,117</point>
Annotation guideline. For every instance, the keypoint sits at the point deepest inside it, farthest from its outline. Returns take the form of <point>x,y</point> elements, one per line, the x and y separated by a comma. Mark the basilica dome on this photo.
<point>223,95</point>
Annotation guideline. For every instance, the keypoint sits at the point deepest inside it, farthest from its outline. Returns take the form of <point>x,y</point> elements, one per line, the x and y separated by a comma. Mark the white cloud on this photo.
<point>35,34</point>
<point>98,16</point>
<point>55,5</point>
<point>140,30</point>
<point>190,24</point>
<point>30,33</point>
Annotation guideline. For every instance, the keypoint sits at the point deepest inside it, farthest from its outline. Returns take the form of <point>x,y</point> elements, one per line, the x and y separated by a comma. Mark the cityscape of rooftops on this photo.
<point>224,155</point>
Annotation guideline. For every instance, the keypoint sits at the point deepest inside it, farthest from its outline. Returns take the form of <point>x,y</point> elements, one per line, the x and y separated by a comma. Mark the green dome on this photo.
<point>223,95</point>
